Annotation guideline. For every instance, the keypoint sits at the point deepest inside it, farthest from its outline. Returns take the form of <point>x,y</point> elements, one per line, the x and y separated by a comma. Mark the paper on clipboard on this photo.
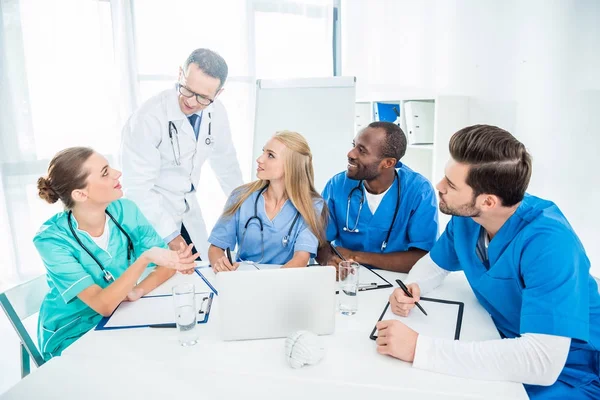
<point>443,319</point>
<point>151,311</point>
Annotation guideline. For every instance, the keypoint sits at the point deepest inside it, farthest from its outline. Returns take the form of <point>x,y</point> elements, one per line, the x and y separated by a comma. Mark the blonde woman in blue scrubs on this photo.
<point>279,218</point>
<point>96,250</point>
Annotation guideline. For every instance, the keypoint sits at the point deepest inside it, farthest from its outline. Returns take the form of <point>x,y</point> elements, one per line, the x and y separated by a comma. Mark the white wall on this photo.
<point>530,67</point>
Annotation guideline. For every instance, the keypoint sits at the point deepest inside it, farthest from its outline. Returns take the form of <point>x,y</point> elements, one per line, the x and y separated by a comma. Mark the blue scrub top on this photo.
<point>538,282</point>
<point>416,224</point>
<point>228,232</point>
<point>63,316</point>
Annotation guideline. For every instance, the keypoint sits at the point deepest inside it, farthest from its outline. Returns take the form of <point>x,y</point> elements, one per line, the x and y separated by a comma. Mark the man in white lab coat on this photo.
<point>167,140</point>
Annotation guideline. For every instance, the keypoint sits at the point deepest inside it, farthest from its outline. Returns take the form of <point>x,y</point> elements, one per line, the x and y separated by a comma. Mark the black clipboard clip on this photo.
<point>208,300</point>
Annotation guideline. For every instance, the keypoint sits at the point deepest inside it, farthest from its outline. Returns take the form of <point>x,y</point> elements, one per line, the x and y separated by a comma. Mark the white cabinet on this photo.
<point>418,117</point>
<point>363,115</point>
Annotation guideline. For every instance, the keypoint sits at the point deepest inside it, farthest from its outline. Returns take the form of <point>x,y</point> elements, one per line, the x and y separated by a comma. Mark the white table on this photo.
<point>149,363</point>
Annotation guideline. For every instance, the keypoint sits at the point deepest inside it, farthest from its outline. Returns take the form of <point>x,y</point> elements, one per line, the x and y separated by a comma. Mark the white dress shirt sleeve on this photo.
<point>426,274</point>
<point>534,358</point>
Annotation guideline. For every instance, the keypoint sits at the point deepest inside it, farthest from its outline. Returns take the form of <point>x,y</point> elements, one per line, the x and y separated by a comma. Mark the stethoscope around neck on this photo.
<point>285,241</point>
<point>108,277</point>
<point>359,188</point>
<point>174,139</point>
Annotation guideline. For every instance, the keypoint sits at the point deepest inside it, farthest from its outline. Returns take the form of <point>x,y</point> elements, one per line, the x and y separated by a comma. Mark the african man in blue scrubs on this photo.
<point>525,265</point>
<point>382,213</point>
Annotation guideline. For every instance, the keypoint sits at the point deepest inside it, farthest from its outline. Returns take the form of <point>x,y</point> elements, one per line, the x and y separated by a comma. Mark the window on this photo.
<point>66,72</point>
<point>60,92</point>
<point>293,40</point>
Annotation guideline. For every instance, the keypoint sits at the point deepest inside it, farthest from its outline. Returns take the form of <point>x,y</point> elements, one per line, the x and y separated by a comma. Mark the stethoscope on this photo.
<point>359,187</point>
<point>108,277</point>
<point>285,241</point>
<point>174,138</point>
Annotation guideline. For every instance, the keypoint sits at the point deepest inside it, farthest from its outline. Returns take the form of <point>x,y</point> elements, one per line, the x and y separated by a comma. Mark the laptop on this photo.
<point>277,302</point>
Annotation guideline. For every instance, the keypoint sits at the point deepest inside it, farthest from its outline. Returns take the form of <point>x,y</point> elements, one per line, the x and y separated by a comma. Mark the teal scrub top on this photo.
<point>538,281</point>
<point>63,316</point>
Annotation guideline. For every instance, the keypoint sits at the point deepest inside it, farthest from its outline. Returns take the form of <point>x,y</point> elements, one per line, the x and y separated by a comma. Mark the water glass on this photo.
<point>348,281</point>
<point>184,298</point>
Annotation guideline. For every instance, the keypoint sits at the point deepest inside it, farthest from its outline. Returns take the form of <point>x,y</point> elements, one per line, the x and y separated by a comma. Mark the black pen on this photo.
<point>229,256</point>
<point>405,289</point>
<point>173,325</point>
<point>337,253</point>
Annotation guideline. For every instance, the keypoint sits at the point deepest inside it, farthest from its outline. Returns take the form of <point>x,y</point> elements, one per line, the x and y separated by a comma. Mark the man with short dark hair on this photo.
<point>525,265</point>
<point>382,213</point>
<point>166,142</point>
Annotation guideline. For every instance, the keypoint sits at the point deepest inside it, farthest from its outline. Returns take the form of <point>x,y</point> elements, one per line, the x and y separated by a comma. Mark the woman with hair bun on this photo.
<point>96,250</point>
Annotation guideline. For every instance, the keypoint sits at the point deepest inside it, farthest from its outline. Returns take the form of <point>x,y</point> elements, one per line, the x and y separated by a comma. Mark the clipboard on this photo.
<point>380,281</point>
<point>444,319</point>
<point>152,311</point>
<point>207,280</point>
<point>209,277</point>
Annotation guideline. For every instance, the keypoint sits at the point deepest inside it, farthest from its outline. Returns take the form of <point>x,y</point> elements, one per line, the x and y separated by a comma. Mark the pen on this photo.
<point>365,286</point>
<point>405,289</point>
<point>337,253</point>
<point>173,325</point>
<point>229,256</point>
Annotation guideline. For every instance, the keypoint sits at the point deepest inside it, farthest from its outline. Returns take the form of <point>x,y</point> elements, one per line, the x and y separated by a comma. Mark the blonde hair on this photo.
<point>299,184</point>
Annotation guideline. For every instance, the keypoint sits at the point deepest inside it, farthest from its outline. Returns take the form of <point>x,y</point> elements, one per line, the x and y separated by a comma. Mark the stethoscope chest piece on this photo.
<point>108,277</point>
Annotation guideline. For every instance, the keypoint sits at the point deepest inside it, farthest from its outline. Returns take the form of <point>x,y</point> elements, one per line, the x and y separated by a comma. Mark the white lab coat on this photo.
<point>159,186</point>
